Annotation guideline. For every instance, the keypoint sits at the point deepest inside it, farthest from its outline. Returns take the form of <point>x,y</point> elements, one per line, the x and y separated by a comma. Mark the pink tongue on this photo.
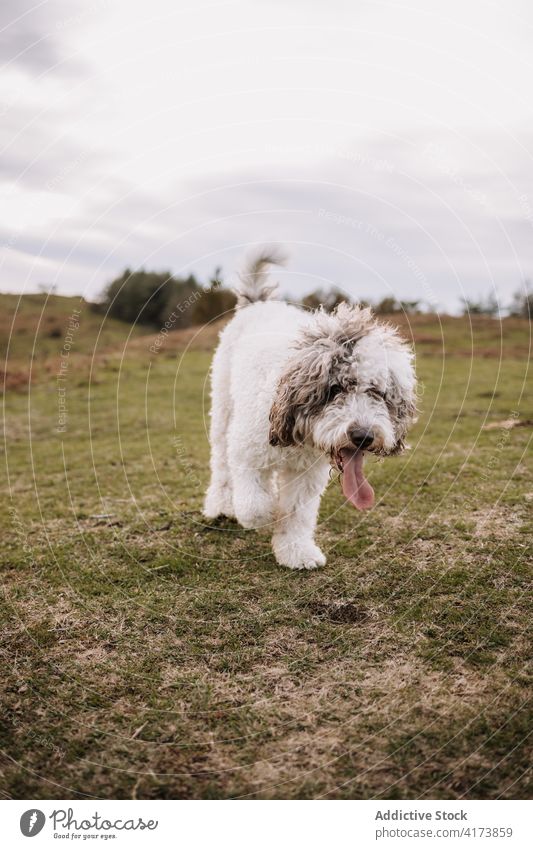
<point>354,484</point>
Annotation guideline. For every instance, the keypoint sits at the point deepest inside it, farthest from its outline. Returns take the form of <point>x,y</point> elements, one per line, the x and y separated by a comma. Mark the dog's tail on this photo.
<point>254,284</point>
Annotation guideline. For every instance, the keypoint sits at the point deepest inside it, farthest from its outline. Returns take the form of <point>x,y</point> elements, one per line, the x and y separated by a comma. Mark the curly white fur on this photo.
<point>289,390</point>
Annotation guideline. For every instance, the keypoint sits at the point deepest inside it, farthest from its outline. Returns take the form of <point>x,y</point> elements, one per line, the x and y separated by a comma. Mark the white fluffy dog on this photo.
<point>294,392</point>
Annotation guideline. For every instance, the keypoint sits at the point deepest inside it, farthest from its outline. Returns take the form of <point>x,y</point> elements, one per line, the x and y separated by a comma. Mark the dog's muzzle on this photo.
<point>361,439</point>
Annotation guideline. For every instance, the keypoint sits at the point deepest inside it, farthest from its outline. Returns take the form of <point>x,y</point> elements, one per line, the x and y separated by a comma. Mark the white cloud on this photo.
<point>151,133</point>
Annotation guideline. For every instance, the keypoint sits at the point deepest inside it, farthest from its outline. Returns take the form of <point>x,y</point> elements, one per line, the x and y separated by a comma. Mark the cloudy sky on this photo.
<point>388,145</point>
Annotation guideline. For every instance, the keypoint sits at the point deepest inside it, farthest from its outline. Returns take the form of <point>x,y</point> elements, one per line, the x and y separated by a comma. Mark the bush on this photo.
<point>387,306</point>
<point>212,304</point>
<point>148,297</point>
<point>390,306</point>
<point>411,307</point>
<point>489,306</point>
<point>522,305</point>
<point>328,299</point>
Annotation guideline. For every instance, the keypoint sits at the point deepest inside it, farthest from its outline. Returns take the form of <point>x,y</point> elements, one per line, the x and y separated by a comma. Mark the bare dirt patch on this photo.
<point>343,612</point>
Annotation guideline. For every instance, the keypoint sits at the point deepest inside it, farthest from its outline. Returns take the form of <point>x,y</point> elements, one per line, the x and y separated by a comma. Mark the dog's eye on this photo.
<point>375,393</point>
<point>334,391</point>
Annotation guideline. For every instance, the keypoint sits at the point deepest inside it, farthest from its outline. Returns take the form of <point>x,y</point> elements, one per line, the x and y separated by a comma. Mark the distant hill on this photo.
<point>43,320</point>
<point>34,329</point>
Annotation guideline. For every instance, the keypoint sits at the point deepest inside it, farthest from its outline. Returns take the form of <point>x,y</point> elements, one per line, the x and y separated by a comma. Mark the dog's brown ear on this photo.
<point>282,413</point>
<point>301,393</point>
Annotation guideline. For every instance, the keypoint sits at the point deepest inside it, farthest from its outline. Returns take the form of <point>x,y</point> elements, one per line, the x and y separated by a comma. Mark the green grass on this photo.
<point>147,655</point>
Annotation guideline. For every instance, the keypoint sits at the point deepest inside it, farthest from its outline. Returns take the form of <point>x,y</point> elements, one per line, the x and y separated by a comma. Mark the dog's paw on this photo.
<point>218,502</point>
<point>298,555</point>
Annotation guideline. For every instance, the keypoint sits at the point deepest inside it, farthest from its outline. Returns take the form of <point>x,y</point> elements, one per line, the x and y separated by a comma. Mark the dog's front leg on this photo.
<point>253,497</point>
<point>299,500</point>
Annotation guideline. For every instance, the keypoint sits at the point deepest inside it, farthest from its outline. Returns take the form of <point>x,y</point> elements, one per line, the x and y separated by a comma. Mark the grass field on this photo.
<point>149,656</point>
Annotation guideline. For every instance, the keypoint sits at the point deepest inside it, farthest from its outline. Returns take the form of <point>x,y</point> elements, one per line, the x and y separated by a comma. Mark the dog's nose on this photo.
<point>361,438</point>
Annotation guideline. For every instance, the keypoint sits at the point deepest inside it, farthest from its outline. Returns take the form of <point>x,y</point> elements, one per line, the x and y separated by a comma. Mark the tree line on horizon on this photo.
<point>152,298</point>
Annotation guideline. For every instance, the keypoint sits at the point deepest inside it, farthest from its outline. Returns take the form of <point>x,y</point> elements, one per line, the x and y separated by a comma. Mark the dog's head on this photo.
<point>349,388</point>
